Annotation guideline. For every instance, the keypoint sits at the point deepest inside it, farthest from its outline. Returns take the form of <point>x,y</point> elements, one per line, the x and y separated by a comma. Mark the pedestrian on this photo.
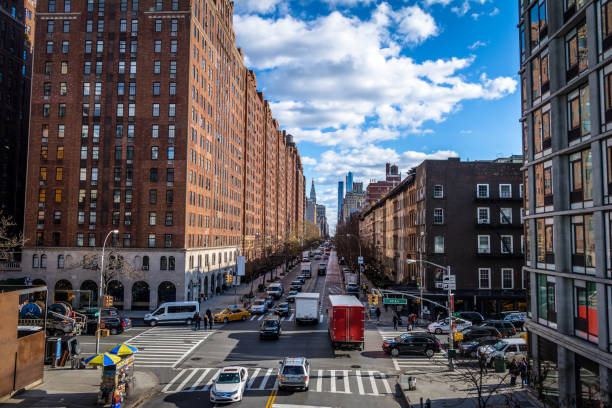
<point>378,314</point>
<point>513,369</point>
<point>394,322</point>
<point>197,319</point>
<point>410,322</point>
<point>482,361</point>
<point>210,318</point>
<point>523,368</point>
<point>206,323</point>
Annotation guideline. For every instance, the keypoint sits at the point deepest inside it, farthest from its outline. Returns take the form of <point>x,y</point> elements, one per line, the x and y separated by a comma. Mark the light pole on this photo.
<point>101,290</point>
<point>451,367</point>
<point>421,275</point>
<point>358,242</point>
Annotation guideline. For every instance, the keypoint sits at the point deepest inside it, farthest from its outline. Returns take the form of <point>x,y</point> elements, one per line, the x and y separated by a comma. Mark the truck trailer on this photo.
<point>307,307</point>
<point>306,270</point>
<point>346,319</point>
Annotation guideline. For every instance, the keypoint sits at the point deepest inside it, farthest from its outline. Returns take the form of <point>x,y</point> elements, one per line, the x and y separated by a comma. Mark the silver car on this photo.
<point>259,306</point>
<point>294,373</point>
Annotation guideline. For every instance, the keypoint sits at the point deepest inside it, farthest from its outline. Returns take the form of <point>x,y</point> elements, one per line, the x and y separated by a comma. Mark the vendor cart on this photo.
<point>117,382</point>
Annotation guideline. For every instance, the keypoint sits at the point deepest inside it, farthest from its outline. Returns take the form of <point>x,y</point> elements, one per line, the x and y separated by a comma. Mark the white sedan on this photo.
<point>441,326</point>
<point>229,386</point>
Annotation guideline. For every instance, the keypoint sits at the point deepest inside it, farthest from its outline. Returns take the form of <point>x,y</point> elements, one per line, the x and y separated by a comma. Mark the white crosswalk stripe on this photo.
<point>414,363</point>
<point>324,381</point>
<point>166,346</point>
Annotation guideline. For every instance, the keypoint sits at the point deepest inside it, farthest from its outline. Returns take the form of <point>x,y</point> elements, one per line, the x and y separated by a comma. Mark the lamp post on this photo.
<point>101,290</point>
<point>451,367</point>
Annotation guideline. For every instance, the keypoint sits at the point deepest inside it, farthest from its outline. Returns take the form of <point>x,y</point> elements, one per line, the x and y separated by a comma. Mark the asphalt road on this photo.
<point>338,378</point>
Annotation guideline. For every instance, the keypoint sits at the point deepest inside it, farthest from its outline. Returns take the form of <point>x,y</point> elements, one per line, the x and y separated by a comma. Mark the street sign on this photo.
<point>240,263</point>
<point>439,285</point>
<point>395,301</point>
<point>360,260</point>
<point>449,278</point>
<point>449,286</point>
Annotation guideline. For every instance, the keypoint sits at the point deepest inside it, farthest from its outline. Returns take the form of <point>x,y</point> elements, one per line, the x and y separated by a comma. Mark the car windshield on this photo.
<point>224,311</point>
<point>293,370</point>
<point>283,306</point>
<point>258,303</point>
<point>228,378</point>
<point>500,345</point>
<point>271,323</point>
<point>296,283</point>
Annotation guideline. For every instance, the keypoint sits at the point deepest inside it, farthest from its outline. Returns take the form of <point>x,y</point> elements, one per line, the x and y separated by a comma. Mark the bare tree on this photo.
<point>10,239</point>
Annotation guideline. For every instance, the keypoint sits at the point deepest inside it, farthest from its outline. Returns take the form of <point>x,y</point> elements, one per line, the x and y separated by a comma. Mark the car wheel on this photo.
<point>243,318</point>
<point>429,353</point>
<point>394,352</point>
<point>188,321</point>
<point>152,323</point>
<point>225,320</point>
<point>438,331</point>
<point>113,331</point>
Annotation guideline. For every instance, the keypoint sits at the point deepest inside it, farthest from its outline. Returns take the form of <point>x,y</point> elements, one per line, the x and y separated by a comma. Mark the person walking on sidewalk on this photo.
<point>482,361</point>
<point>378,314</point>
<point>197,319</point>
<point>523,368</point>
<point>210,318</point>
<point>394,322</point>
<point>514,370</point>
<point>411,320</point>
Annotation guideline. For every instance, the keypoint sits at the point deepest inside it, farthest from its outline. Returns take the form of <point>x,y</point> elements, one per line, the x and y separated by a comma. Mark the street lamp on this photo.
<point>100,292</point>
<point>450,307</point>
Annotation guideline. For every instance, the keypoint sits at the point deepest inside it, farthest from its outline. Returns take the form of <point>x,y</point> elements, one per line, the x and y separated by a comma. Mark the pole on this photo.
<point>450,322</point>
<point>422,280</point>
<point>100,291</point>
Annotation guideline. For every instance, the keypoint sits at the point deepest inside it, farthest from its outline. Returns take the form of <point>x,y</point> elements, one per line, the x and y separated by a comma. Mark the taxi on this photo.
<point>231,315</point>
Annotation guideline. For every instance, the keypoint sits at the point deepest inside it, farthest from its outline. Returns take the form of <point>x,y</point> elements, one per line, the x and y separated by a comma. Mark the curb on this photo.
<point>142,399</point>
<point>402,389</point>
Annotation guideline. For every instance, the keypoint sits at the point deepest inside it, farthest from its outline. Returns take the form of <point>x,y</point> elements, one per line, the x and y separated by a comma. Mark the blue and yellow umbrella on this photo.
<point>123,350</point>
<point>103,359</point>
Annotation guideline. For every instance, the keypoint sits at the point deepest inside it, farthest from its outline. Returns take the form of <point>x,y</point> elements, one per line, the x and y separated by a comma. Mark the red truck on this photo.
<point>346,319</point>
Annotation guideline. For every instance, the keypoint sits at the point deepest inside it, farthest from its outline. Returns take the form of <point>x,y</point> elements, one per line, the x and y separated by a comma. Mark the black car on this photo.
<point>322,269</point>
<point>505,327</point>
<point>296,285</point>
<point>470,348</point>
<point>114,324</point>
<point>270,327</point>
<point>474,317</point>
<point>282,309</point>
<point>269,302</point>
<point>302,279</point>
<point>477,332</point>
<point>421,343</point>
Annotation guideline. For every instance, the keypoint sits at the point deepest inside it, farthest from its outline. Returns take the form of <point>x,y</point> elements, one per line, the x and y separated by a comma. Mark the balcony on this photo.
<point>10,266</point>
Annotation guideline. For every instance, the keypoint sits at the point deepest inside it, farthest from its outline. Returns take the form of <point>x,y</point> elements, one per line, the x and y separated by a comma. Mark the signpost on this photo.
<point>449,282</point>
<point>360,260</point>
<point>395,301</point>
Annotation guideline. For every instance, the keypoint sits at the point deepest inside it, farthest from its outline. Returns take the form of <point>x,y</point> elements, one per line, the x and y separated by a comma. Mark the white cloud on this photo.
<point>465,132</point>
<point>494,12</point>
<point>257,6</point>
<point>348,2</point>
<point>308,161</point>
<point>442,2</point>
<point>339,80</point>
<point>477,44</point>
<point>463,9</point>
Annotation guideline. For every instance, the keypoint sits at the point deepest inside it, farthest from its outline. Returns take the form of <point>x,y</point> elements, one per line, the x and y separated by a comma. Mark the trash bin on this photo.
<point>412,383</point>
<point>500,364</point>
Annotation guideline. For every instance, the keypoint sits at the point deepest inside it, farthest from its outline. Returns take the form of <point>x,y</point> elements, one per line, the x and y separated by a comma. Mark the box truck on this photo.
<point>305,268</point>
<point>346,319</point>
<point>307,308</point>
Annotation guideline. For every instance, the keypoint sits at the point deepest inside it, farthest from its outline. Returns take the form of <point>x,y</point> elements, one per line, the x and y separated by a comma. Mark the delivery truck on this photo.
<point>346,319</point>
<point>305,268</point>
<point>305,256</point>
<point>307,308</point>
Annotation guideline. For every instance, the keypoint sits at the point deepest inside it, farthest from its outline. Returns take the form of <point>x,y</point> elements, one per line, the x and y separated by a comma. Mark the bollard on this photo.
<point>428,403</point>
<point>421,402</point>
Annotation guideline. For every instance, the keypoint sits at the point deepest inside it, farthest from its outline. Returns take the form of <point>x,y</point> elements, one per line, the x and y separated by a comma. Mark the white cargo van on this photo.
<point>173,312</point>
<point>307,308</point>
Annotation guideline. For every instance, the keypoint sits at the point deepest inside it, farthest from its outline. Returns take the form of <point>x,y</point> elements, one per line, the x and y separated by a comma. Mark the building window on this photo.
<point>482,190</point>
<point>579,113</point>
<point>170,175</point>
<point>438,191</point>
<point>169,218</point>
<point>439,244</point>
<point>152,196</point>
<point>49,47</point>
<point>58,195</point>
<point>65,47</point>
<point>585,311</point>
<point>438,216</point>
<point>155,131</point>
<point>155,109</point>
<point>35,261</point>
<point>583,244</point>
<point>506,244</point>
<point>547,307</point>
<point>170,152</point>
<point>507,278</point>
<point>544,241</point>
<point>543,184</point>
<point>152,218</point>
<point>576,51</point>
<point>168,240</point>
<point>483,215</point>
<point>60,262</point>
<point>581,176</point>
<point>156,88</point>
<point>153,175</point>
<point>127,240</point>
<point>154,153</point>
<point>172,89</point>
<point>156,67</point>
<point>539,26</point>
<point>484,278</point>
<point>80,239</point>
<point>151,241</point>
<point>505,215</point>
<point>127,218</point>
<point>169,196</point>
<point>158,27</point>
<point>505,191</point>
<point>171,110</point>
<point>606,25</point>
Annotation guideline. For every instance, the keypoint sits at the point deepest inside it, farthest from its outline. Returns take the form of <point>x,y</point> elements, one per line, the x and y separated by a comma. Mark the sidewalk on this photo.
<point>65,388</point>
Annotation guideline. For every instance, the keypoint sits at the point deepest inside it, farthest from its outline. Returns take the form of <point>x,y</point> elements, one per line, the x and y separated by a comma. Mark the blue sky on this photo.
<point>362,82</point>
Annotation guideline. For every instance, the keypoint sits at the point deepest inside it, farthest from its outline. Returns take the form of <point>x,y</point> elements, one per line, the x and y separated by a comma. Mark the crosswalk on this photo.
<point>414,363</point>
<point>362,382</point>
<point>166,346</point>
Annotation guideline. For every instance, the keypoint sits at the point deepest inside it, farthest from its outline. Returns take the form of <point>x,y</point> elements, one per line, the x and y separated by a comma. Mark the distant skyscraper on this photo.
<point>340,198</point>
<point>313,194</point>
<point>349,182</point>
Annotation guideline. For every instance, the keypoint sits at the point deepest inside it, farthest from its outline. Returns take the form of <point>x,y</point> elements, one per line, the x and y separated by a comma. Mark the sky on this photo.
<point>359,83</point>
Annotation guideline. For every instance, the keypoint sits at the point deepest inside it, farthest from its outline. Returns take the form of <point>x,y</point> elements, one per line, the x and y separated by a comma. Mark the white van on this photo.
<point>173,312</point>
<point>507,349</point>
<point>275,290</point>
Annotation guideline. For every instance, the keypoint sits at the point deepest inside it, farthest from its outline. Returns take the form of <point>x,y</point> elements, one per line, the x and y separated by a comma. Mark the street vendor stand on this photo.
<point>117,374</point>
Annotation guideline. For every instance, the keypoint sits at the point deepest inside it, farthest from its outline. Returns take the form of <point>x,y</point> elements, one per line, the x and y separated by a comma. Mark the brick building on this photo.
<point>463,214</point>
<point>145,120</point>
<point>377,189</point>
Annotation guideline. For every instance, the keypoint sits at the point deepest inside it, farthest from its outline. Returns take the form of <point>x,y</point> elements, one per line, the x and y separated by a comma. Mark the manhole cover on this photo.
<point>196,359</point>
<point>355,366</point>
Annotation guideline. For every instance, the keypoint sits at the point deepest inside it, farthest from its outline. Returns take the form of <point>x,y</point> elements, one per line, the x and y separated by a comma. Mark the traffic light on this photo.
<point>375,299</point>
<point>418,282</point>
<point>228,278</point>
<point>370,299</point>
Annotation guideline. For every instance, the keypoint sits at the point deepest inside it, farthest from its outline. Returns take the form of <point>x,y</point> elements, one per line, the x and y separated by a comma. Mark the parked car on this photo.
<point>282,309</point>
<point>302,279</point>
<point>517,319</point>
<point>470,348</point>
<point>229,385</point>
<point>506,328</point>
<point>475,332</point>
<point>259,306</point>
<point>507,349</point>
<point>231,315</point>
<point>296,285</point>
<point>420,343</point>
<point>270,327</point>
<point>294,373</point>
<point>291,296</point>
<point>474,317</point>
<point>442,326</point>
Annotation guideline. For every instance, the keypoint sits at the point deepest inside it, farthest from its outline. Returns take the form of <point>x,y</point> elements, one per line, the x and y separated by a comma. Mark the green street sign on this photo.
<point>395,301</point>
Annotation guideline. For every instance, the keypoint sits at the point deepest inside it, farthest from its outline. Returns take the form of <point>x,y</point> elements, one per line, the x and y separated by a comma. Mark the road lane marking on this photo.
<point>296,406</point>
<point>291,317</point>
<point>383,378</point>
<point>262,386</point>
<point>186,380</point>
<point>359,382</point>
<point>171,383</point>
<point>199,380</point>
<point>253,377</point>
<point>373,382</point>
<point>320,318</point>
<point>261,317</point>
<point>332,375</point>
<point>210,382</point>
<point>347,387</point>
<point>271,399</point>
<point>319,381</point>
<point>253,317</point>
